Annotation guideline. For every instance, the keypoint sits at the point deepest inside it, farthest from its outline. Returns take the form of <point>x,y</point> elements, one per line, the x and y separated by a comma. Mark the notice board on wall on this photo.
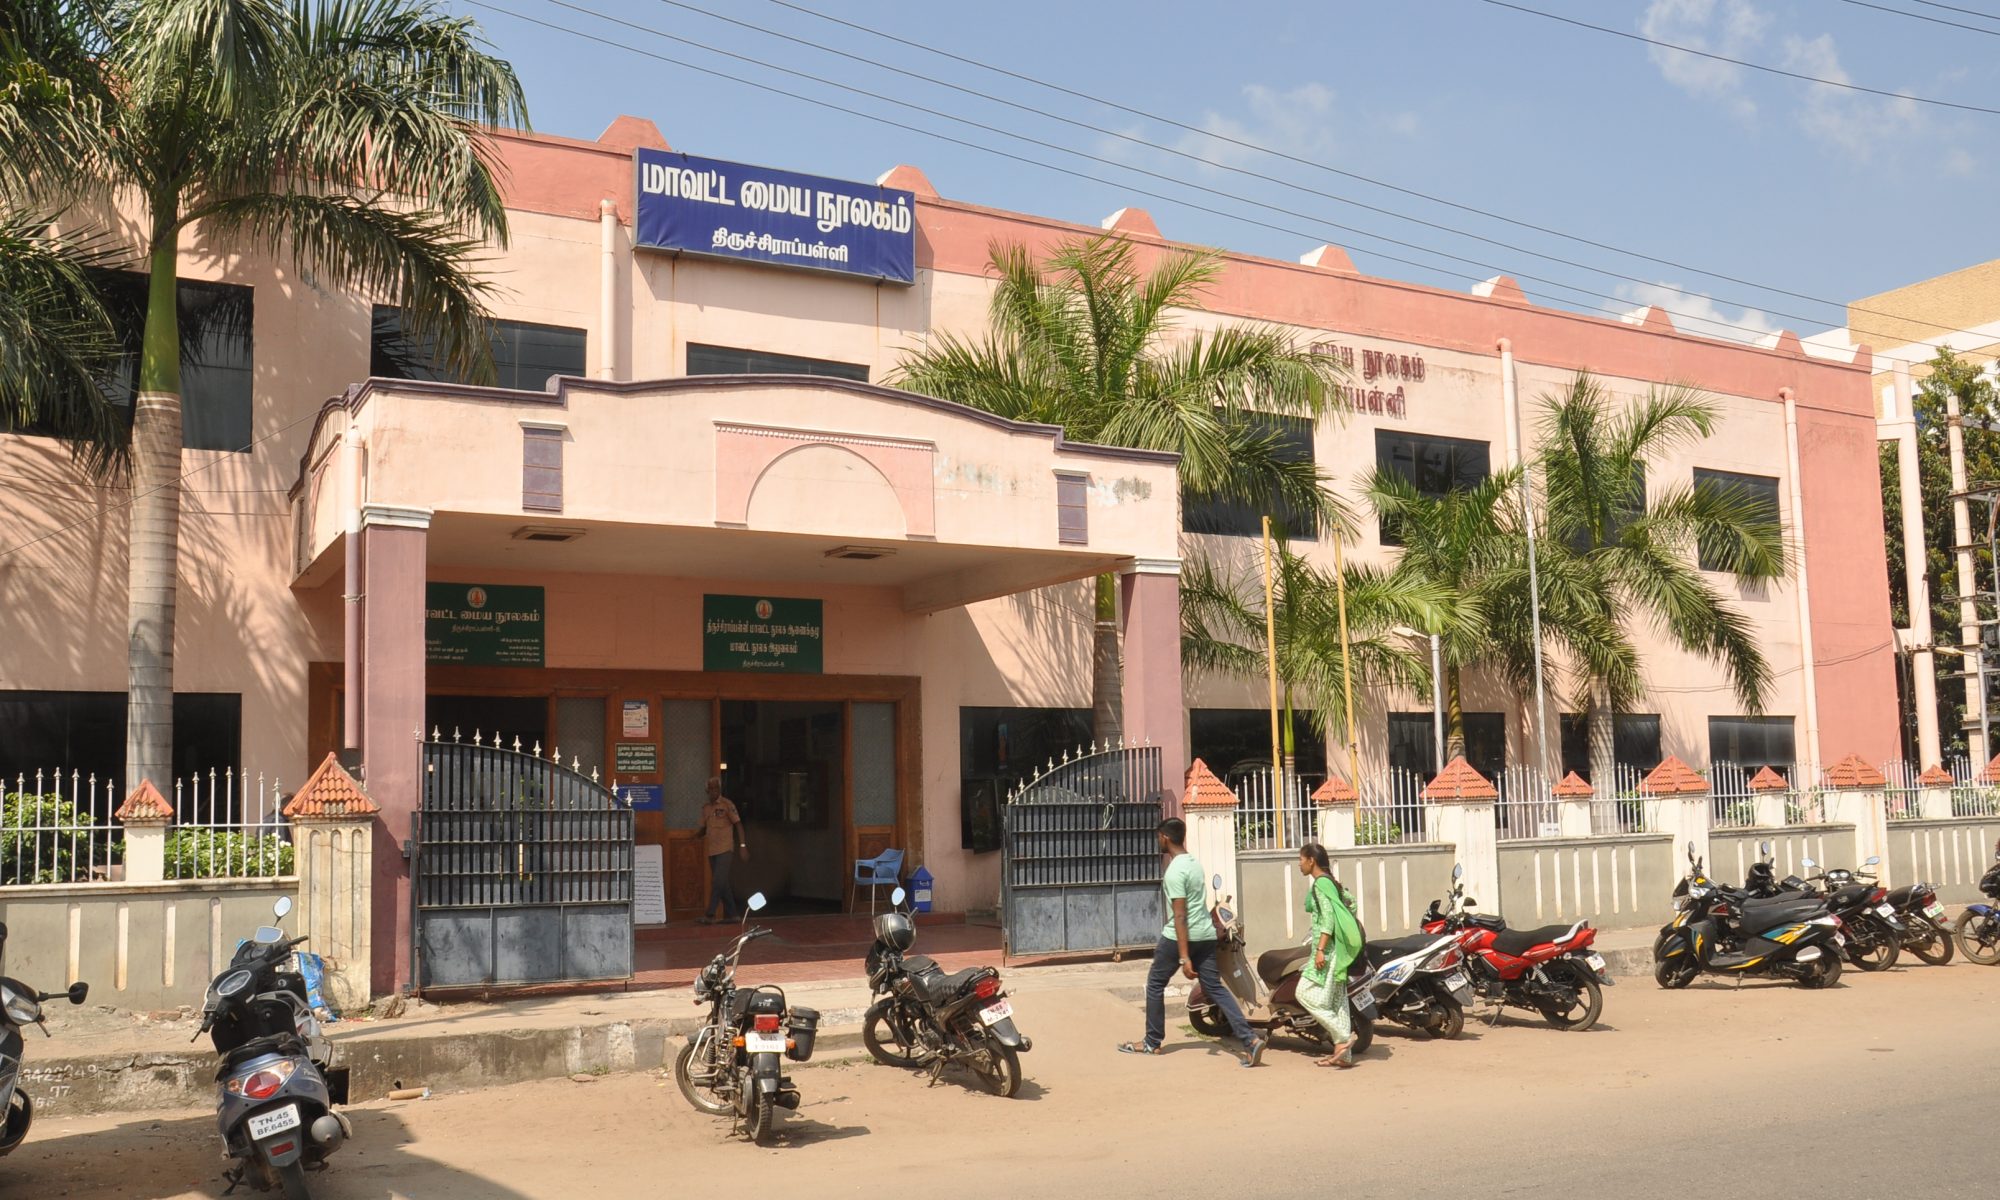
<point>649,885</point>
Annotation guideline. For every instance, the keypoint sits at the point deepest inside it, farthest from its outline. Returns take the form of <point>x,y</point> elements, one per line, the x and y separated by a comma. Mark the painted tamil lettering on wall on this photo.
<point>767,634</point>
<point>483,625</point>
<point>1376,369</point>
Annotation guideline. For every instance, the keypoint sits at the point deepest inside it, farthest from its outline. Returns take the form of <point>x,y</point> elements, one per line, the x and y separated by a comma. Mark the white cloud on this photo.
<point>1855,123</point>
<point>1726,27</point>
<point>1698,312</point>
<point>1298,121</point>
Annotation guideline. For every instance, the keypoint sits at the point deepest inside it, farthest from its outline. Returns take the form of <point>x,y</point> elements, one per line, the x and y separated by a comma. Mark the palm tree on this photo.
<point>1087,342</point>
<point>1628,560</point>
<point>56,340</point>
<point>347,135</point>
<point>1223,631</point>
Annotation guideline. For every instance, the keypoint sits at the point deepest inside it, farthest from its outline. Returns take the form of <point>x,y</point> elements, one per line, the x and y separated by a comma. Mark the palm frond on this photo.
<point>57,343</point>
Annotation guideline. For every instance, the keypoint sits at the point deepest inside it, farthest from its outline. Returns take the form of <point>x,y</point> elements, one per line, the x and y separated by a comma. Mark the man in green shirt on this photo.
<point>1188,942</point>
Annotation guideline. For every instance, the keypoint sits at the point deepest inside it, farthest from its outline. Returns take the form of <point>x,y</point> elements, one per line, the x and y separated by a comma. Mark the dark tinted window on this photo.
<point>1433,465</point>
<point>1413,742</point>
<point>726,360</point>
<point>1635,741</point>
<point>525,355</point>
<point>1622,511</point>
<point>85,732</point>
<point>1293,442</point>
<point>1073,510</point>
<point>1758,491</point>
<point>1751,742</point>
<point>1228,737</point>
<point>1001,748</point>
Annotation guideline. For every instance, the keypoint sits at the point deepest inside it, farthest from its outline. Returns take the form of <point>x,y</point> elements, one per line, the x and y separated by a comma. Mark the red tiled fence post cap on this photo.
<point>1854,771</point>
<point>1335,791</point>
<point>1204,790</point>
<point>1458,781</point>
<point>1674,778</point>
<point>1990,773</point>
<point>1573,787</point>
<point>1935,776</point>
<point>331,794</point>
<point>145,806</point>
<point>1767,780</point>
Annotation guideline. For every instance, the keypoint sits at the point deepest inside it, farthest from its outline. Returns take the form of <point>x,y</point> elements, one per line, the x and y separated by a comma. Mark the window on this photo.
<point>216,356</point>
<point>1635,741</point>
<point>1072,509</point>
<point>1752,742</point>
<point>525,355</point>
<point>1001,748</point>
<point>85,732</point>
<point>1622,511</point>
<point>1433,465</point>
<point>542,469</point>
<point>1759,491</point>
<point>725,360</point>
<point>1291,440</point>
<point>1225,738</point>
<point>1413,743</point>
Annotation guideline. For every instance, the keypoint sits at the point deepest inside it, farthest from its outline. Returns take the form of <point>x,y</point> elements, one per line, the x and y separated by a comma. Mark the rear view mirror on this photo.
<point>79,992</point>
<point>1690,850</point>
<point>1764,848</point>
<point>1872,860</point>
<point>1809,864</point>
<point>1217,882</point>
<point>1457,872</point>
<point>896,897</point>
<point>268,935</point>
<point>756,903</point>
<point>282,908</point>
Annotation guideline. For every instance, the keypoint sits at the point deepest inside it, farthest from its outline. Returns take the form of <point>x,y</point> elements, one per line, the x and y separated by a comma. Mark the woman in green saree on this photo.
<point>1335,943</point>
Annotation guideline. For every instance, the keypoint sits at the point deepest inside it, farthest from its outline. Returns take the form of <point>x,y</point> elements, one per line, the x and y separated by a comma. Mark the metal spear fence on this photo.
<point>57,827</point>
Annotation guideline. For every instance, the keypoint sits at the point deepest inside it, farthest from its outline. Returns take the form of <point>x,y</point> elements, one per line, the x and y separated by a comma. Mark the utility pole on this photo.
<point>1968,582</point>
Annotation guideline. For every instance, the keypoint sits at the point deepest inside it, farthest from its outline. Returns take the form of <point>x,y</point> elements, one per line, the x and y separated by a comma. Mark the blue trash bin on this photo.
<point>920,890</point>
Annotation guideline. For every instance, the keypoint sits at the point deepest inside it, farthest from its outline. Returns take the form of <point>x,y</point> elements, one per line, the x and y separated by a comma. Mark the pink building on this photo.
<point>719,543</point>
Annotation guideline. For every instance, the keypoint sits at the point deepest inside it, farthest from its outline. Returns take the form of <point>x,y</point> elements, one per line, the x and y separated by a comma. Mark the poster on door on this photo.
<point>638,721</point>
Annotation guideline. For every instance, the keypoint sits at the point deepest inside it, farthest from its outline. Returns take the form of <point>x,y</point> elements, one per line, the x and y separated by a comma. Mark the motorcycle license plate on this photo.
<point>1596,962</point>
<point>1885,910</point>
<point>273,1123</point>
<point>1458,985</point>
<point>764,1043</point>
<point>1934,911</point>
<point>996,1012</point>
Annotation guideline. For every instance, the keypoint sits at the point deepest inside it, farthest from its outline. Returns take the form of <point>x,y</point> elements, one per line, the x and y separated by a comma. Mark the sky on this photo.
<point>1738,201</point>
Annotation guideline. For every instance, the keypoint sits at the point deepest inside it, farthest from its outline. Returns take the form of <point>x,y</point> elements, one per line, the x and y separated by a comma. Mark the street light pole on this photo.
<point>1437,689</point>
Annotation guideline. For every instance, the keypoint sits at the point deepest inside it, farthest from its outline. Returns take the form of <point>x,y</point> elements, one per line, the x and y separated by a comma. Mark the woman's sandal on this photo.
<point>1137,1048</point>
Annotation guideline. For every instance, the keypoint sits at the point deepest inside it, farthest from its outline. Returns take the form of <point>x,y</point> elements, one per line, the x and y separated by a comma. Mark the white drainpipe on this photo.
<point>350,505</point>
<point>607,290</point>
<point>1805,588</point>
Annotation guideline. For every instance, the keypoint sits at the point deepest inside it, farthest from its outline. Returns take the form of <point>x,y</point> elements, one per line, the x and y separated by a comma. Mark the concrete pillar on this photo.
<point>1677,804</point>
<point>145,816</point>
<point>1209,808</point>
<point>333,829</point>
<point>1768,790</point>
<point>1900,422</point>
<point>1573,797</point>
<point>1464,802</point>
<point>1934,796</point>
<point>1335,800</point>
<point>394,544</point>
<point>1857,796</point>
<point>1150,607</point>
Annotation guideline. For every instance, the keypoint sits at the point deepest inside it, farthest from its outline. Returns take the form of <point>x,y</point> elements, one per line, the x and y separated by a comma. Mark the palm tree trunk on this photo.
<point>152,566</point>
<point>1107,679</point>
<point>1454,718</point>
<point>1286,744</point>
<point>1603,736</point>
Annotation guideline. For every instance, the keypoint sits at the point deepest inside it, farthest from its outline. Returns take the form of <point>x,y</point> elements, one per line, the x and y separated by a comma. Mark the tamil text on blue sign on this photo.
<point>705,206</point>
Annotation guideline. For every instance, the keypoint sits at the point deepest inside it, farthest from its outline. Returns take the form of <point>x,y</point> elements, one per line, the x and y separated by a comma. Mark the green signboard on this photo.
<point>638,758</point>
<point>763,633</point>
<point>483,625</point>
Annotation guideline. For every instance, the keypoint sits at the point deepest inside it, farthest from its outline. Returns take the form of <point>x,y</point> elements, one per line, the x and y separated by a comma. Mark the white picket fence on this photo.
<point>60,827</point>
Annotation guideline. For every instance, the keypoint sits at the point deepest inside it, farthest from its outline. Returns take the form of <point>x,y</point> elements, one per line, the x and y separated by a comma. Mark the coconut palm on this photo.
<point>1088,342</point>
<point>344,135</point>
<point>1630,561</point>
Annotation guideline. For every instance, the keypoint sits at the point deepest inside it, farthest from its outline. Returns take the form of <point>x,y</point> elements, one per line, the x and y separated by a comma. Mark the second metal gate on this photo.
<point>1082,870</point>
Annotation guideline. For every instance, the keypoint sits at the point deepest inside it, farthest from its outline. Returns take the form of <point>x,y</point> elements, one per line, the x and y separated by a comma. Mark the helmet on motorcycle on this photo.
<point>894,930</point>
<point>1760,878</point>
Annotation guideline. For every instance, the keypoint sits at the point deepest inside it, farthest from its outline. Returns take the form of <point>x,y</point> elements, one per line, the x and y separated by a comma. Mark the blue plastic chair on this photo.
<point>884,870</point>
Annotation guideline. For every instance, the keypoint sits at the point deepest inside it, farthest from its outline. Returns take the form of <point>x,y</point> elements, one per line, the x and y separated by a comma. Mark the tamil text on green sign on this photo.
<point>483,625</point>
<point>762,633</point>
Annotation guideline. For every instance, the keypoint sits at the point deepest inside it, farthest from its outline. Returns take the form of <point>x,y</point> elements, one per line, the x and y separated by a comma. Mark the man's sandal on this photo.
<point>1137,1048</point>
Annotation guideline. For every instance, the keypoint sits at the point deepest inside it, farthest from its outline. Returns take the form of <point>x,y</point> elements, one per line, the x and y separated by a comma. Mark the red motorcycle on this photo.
<point>1551,970</point>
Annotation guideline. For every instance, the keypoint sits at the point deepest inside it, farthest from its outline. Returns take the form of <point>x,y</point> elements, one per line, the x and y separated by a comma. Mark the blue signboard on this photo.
<point>642,797</point>
<point>706,206</point>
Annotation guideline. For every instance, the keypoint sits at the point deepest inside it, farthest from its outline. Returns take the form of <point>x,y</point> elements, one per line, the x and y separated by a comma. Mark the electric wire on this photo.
<point>1903,12</point>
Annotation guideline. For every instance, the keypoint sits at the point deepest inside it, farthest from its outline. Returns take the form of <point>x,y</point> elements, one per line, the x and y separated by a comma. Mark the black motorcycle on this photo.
<point>926,1018</point>
<point>1978,927</point>
<point>733,1065</point>
<point>1874,931</point>
<point>20,1007</point>
<point>1719,931</point>
<point>1924,932</point>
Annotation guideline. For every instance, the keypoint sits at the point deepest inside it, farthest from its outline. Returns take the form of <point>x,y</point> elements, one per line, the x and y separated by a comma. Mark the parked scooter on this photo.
<point>1551,971</point>
<point>20,1007</point>
<point>1924,932</point>
<point>1788,937</point>
<point>731,1066</point>
<point>1978,927</point>
<point>926,1018</point>
<point>1269,996</point>
<point>275,1107</point>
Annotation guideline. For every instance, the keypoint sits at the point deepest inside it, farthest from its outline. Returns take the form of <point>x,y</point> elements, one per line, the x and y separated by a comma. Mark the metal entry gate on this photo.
<point>1082,872</point>
<point>523,872</point>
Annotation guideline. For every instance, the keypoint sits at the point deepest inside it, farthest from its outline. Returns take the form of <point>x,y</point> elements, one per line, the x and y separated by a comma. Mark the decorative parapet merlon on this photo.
<point>1335,791</point>
<point>1458,782</point>
<point>145,806</point>
<point>1674,778</point>
<point>1573,787</point>
<point>1204,790</point>
<point>331,794</point>
<point>1855,772</point>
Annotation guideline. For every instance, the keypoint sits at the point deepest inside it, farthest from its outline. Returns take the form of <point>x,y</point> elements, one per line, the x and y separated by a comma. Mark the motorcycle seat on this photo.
<point>1759,915</point>
<point>917,964</point>
<point>1273,965</point>
<point>939,988</point>
<point>1388,949</point>
<point>1903,897</point>
<point>1519,941</point>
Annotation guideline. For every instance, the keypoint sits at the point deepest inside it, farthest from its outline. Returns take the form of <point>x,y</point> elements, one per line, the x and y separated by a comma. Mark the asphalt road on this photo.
<point>1880,1087</point>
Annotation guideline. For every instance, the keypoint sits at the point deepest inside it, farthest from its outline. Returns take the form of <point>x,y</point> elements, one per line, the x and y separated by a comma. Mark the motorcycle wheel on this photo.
<point>1979,938</point>
<point>1826,976</point>
<point>1001,1070</point>
<point>1674,975</point>
<point>1207,1021</point>
<point>293,1180</point>
<point>700,1094</point>
<point>1935,946</point>
<point>1879,953</point>
<point>1588,1007</point>
<point>885,1042</point>
<point>758,1126</point>
<point>1450,1022</point>
<point>1363,1029</point>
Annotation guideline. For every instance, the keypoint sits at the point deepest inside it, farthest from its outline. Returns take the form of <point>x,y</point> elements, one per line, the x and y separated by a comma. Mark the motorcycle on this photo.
<point>277,1092</point>
<point>20,1007</point>
<point>731,1066</point>
<point>1551,970</point>
<point>1922,915</point>
<point>926,1018</point>
<point>1978,927</point>
<point>1789,937</point>
<point>1418,982</point>
<point>1874,932</point>
<point>1269,997</point>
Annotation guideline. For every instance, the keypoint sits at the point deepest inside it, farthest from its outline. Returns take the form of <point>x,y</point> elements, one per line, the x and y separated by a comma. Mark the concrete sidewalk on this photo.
<point>100,1063</point>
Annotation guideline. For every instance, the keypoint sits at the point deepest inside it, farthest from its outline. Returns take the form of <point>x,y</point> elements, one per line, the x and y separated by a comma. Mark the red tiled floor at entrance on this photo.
<point>804,949</point>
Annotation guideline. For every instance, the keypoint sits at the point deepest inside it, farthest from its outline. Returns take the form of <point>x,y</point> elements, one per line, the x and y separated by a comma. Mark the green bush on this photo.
<point>42,838</point>
<point>206,854</point>
<point>1377,831</point>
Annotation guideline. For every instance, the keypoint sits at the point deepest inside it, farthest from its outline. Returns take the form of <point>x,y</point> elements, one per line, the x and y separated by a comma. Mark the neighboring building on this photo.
<point>723,434</point>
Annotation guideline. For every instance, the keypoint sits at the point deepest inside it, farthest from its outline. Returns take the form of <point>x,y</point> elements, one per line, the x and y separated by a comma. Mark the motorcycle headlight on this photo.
<point>22,1009</point>
<point>233,984</point>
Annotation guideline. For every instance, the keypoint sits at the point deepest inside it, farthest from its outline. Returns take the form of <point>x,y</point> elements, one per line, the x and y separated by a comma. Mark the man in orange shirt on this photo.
<point>722,830</point>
